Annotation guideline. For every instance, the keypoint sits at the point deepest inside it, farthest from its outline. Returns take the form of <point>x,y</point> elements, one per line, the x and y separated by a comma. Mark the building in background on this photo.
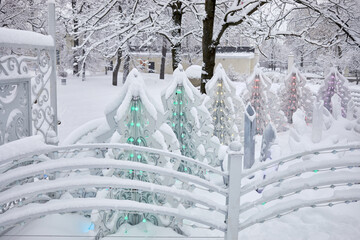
<point>236,60</point>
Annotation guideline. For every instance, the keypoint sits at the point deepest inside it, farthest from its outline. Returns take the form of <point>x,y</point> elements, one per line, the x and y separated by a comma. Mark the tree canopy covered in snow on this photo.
<point>96,31</point>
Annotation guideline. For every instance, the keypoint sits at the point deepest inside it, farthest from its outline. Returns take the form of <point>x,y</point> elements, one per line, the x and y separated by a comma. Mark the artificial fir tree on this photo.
<point>134,119</point>
<point>335,83</point>
<point>294,95</point>
<point>264,102</point>
<point>186,114</point>
<point>225,106</point>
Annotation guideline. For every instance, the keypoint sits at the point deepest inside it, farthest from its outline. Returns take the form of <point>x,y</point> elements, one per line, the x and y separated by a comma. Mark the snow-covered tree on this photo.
<point>178,25</point>
<point>27,15</point>
<point>265,19</point>
<point>294,94</point>
<point>225,107</point>
<point>264,101</point>
<point>107,27</point>
<point>190,120</point>
<point>335,83</point>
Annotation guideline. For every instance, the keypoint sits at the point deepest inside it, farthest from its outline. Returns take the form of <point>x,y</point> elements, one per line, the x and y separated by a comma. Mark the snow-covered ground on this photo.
<point>80,102</point>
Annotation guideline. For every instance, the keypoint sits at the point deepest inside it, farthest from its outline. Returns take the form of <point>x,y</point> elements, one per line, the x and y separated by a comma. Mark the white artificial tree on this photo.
<point>186,114</point>
<point>335,83</point>
<point>264,101</point>
<point>225,107</point>
<point>294,94</point>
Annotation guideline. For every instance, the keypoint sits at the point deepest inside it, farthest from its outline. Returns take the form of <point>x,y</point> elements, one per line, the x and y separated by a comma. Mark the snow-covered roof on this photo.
<point>245,55</point>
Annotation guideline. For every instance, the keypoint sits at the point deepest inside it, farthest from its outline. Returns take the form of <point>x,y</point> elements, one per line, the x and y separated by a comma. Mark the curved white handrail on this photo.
<point>298,185</point>
<point>125,146</point>
<point>262,166</point>
<point>91,163</point>
<point>35,188</point>
<point>17,215</point>
<point>298,169</point>
<point>294,205</point>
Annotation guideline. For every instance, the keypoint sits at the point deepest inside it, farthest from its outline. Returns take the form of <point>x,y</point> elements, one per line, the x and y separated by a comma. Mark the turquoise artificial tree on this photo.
<point>133,118</point>
<point>186,114</point>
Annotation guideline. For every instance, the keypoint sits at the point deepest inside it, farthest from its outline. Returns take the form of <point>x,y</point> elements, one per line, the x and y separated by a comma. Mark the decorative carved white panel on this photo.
<point>15,117</point>
<point>25,106</point>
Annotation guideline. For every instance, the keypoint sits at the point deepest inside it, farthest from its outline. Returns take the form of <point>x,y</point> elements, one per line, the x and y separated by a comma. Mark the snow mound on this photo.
<point>194,71</point>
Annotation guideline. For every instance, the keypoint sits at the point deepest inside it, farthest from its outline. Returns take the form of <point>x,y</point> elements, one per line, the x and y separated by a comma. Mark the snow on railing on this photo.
<point>45,173</point>
<point>32,211</point>
<point>30,190</point>
<point>100,150</point>
<point>340,170</point>
<point>29,82</point>
<point>297,169</point>
<point>334,150</point>
<point>56,170</point>
<point>53,167</point>
<point>295,186</point>
<point>346,196</point>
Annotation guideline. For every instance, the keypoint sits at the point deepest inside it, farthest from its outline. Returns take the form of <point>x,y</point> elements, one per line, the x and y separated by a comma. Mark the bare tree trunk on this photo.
<point>83,68</point>
<point>116,68</point>
<point>163,58</point>
<point>176,17</point>
<point>208,48</point>
<point>126,67</point>
<point>76,39</point>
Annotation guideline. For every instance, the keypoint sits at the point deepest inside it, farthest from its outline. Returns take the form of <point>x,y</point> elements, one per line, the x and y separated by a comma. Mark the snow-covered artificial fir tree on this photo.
<point>225,107</point>
<point>186,114</point>
<point>335,83</point>
<point>264,102</point>
<point>294,94</point>
<point>133,118</point>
